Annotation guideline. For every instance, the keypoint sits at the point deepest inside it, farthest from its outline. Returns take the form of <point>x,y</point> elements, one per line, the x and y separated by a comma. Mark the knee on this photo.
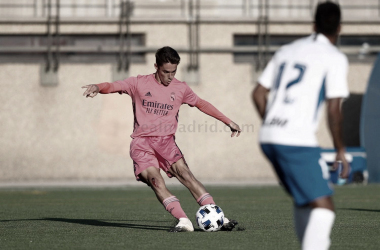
<point>152,177</point>
<point>156,182</point>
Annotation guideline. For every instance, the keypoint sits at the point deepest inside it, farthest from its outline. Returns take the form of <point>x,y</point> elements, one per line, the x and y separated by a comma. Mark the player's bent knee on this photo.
<point>154,183</point>
<point>157,182</point>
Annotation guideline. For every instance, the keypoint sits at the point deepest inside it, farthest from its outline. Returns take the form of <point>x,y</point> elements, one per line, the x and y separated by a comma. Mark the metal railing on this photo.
<point>193,12</point>
<point>182,8</point>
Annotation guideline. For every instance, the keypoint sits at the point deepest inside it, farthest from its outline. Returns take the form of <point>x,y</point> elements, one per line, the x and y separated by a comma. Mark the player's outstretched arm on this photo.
<point>122,86</point>
<point>259,98</point>
<point>235,129</point>
<point>91,90</point>
<point>210,110</point>
<point>335,125</point>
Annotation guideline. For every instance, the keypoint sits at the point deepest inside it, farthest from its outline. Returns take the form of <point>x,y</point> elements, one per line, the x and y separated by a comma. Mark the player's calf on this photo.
<point>173,206</point>
<point>205,199</point>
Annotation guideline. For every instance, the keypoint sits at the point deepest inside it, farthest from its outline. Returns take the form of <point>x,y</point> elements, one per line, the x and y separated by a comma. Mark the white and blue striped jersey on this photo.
<point>300,76</point>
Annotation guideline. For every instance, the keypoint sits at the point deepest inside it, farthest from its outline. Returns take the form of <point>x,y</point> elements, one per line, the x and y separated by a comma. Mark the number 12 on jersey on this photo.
<point>301,71</point>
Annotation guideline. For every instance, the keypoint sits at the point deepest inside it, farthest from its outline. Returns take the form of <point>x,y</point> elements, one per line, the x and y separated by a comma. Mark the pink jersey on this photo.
<point>155,106</point>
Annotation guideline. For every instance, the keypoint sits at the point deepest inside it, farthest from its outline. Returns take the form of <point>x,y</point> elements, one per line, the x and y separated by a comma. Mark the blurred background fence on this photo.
<point>287,9</point>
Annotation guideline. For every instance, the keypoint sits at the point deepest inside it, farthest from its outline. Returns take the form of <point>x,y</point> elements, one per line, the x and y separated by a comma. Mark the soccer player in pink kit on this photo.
<point>156,101</point>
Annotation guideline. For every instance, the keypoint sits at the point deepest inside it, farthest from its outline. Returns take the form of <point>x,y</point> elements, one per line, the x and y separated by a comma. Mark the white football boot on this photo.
<point>184,225</point>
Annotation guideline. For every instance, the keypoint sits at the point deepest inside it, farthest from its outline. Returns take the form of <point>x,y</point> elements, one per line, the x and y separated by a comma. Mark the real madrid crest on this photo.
<point>172,96</point>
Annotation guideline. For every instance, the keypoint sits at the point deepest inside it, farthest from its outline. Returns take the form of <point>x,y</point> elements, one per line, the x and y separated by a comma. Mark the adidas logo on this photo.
<point>148,94</point>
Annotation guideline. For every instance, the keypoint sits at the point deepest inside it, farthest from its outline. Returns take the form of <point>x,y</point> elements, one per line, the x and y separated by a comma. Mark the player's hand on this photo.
<point>235,129</point>
<point>91,90</point>
<point>346,167</point>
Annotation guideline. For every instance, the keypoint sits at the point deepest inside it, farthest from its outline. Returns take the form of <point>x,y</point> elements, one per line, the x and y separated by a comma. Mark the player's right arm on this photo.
<point>336,90</point>
<point>104,88</point>
<point>125,86</point>
<point>91,90</point>
<point>264,84</point>
<point>259,98</point>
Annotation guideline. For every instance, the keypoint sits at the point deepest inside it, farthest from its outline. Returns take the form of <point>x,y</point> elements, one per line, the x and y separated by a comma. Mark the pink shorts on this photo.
<point>154,151</point>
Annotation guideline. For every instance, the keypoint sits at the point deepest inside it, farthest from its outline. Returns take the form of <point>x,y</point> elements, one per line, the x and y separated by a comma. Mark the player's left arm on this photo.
<point>210,110</point>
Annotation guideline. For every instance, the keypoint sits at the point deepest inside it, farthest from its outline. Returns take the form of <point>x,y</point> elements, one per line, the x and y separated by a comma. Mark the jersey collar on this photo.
<point>320,38</point>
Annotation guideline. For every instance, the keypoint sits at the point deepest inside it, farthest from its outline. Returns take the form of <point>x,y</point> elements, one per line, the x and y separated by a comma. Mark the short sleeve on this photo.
<point>336,78</point>
<point>266,78</point>
<point>190,97</point>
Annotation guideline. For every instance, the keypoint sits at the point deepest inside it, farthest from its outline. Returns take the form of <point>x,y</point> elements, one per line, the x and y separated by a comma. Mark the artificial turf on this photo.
<point>131,218</point>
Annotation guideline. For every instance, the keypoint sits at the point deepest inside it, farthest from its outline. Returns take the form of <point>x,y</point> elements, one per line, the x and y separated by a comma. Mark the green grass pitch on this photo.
<point>131,218</point>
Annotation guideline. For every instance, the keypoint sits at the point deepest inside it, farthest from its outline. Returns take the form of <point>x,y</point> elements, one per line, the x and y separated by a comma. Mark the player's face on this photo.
<point>165,73</point>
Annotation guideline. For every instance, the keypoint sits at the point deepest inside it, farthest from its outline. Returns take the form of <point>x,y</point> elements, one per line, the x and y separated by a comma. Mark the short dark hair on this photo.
<point>167,55</point>
<point>327,18</point>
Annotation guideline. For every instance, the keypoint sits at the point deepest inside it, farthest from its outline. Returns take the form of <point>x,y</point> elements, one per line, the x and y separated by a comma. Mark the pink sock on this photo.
<point>173,206</point>
<point>205,199</point>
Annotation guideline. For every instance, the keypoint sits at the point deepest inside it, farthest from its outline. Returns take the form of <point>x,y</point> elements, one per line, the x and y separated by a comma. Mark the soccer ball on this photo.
<point>210,218</point>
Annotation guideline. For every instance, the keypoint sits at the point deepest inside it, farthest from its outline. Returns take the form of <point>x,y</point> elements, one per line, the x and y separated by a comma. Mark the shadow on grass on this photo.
<point>361,209</point>
<point>98,223</point>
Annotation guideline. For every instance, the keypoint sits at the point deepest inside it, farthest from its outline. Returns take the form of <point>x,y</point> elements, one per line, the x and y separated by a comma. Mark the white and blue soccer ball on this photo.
<point>210,218</point>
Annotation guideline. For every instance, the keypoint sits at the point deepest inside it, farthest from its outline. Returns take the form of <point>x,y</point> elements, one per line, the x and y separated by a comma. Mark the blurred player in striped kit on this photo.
<point>289,96</point>
<point>156,100</point>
